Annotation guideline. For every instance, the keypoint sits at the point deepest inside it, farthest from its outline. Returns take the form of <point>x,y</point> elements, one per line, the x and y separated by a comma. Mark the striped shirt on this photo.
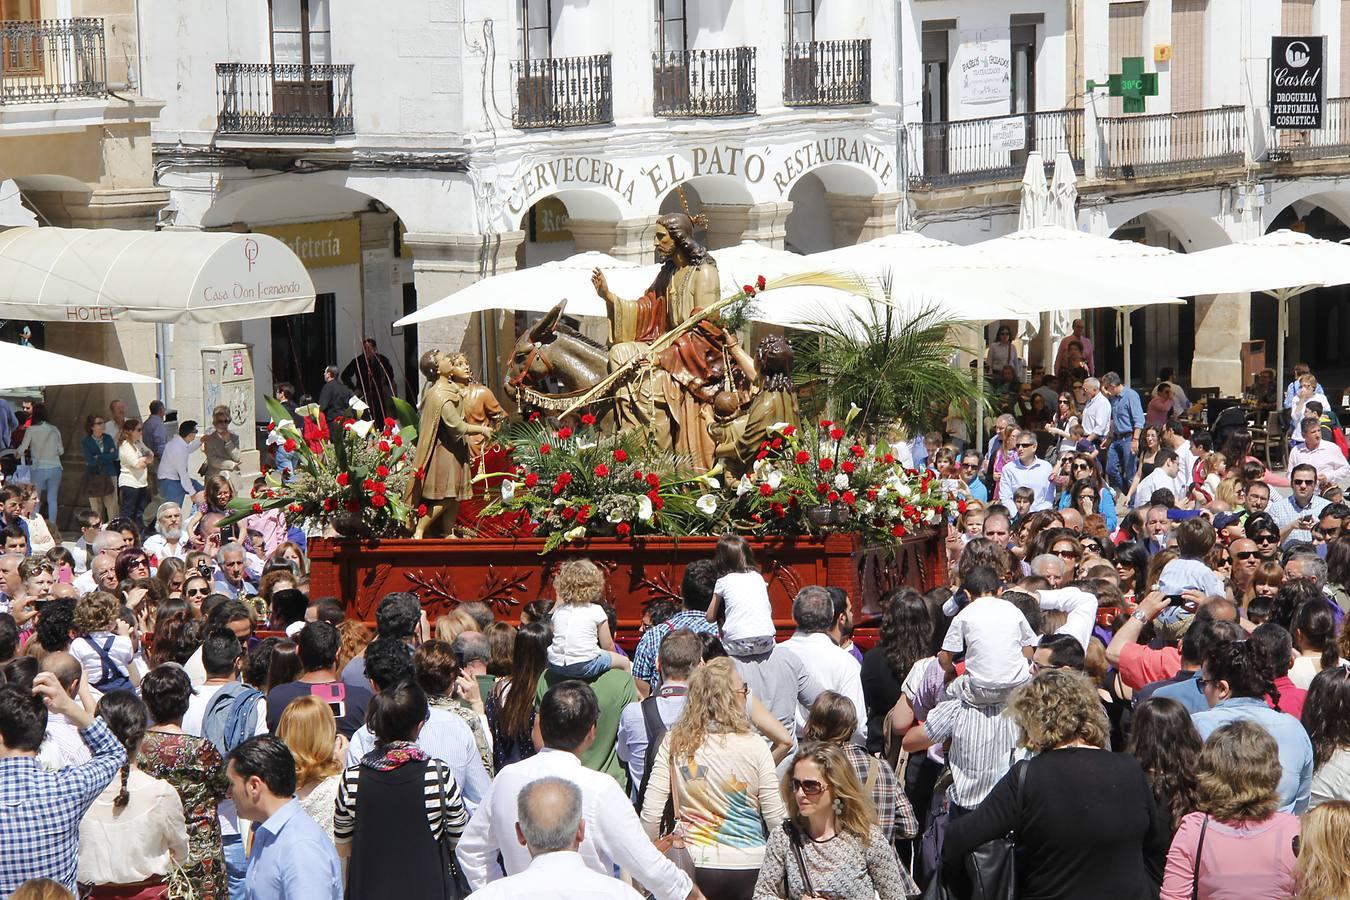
<point>983,740</point>
<point>450,816</point>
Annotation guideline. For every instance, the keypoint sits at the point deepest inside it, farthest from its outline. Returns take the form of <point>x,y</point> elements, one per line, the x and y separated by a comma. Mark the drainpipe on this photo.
<point>901,136</point>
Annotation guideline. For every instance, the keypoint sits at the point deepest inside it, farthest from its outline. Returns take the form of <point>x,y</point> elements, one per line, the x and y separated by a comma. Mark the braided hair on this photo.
<point>125,715</point>
<point>1248,671</point>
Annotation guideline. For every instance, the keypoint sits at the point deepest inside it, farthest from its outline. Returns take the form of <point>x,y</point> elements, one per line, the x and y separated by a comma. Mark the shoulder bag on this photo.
<point>456,884</point>
<point>671,842</point>
<point>990,869</point>
<point>794,837</point>
<point>1199,849</point>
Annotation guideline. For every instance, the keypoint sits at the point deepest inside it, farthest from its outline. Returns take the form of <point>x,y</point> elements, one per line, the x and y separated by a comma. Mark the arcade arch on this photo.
<point>1319,320</point>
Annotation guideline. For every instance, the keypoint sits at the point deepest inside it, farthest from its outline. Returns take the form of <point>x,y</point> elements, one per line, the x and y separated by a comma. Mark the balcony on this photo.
<point>827,73</point>
<point>1172,143</point>
<point>1331,140</point>
<point>691,83</point>
<point>52,59</point>
<point>943,154</point>
<point>290,100</point>
<point>564,92</point>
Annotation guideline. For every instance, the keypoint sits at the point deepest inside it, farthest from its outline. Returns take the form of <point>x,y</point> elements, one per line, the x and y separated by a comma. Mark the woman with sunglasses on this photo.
<point>132,562</point>
<point>1003,352</point>
<point>1064,417</point>
<point>171,573</point>
<point>1087,482</point>
<point>1131,564</point>
<point>1326,716</point>
<point>133,482</point>
<point>221,445</point>
<point>830,845</point>
<point>196,588</point>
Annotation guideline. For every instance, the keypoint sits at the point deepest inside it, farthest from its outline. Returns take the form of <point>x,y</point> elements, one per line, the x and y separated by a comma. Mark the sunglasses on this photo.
<point>98,422</point>
<point>1246,554</point>
<point>1064,403</point>
<point>1092,547</point>
<point>1303,481</point>
<point>1065,554</point>
<point>810,787</point>
<point>970,465</point>
<point>1037,668</point>
<point>1024,446</point>
<point>198,592</point>
<point>1265,539</point>
<point>1201,681</point>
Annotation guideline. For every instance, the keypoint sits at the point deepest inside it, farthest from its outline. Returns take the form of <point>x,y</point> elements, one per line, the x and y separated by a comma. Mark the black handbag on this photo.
<point>457,885</point>
<point>990,869</point>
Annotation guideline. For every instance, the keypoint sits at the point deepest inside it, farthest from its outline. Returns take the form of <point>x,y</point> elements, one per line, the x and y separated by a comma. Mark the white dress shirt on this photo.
<point>1097,416</point>
<point>173,466</point>
<point>1156,481</point>
<point>614,835</point>
<point>834,669</point>
<point>159,547</point>
<point>62,745</point>
<point>546,877</point>
<point>446,737</point>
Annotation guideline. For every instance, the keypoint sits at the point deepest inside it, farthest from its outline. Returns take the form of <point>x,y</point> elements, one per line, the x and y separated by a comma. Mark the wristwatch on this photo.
<point>1138,616</point>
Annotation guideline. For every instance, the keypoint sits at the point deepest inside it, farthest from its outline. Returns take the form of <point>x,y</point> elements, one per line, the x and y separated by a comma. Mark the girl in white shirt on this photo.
<point>582,644</point>
<point>742,598</point>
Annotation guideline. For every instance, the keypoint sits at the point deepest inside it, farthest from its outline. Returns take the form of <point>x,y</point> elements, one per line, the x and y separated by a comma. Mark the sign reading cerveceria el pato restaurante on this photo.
<point>1298,95</point>
<point>320,244</point>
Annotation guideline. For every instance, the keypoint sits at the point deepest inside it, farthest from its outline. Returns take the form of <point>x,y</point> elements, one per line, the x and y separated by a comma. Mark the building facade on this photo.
<point>406,151</point>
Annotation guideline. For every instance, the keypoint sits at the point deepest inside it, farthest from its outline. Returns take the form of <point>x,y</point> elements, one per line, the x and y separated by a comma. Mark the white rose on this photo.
<point>707,504</point>
<point>841,481</point>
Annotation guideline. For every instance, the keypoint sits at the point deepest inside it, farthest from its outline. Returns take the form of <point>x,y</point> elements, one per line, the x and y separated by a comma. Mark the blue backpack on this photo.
<point>231,716</point>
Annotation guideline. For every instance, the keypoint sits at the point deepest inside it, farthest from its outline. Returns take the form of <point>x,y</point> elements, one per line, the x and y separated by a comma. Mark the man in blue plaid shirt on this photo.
<point>696,590</point>
<point>40,812</point>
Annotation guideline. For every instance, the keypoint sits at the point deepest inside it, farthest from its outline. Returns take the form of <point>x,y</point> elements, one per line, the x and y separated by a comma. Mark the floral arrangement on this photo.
<point>351,477</point>
<point>575,482</point>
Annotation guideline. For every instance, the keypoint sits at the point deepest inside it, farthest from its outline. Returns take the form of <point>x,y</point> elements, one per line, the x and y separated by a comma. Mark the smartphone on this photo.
<point>334,694</point>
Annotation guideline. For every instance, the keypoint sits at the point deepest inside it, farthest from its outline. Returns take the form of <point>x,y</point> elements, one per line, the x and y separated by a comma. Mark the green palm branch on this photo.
<point>898,368</point>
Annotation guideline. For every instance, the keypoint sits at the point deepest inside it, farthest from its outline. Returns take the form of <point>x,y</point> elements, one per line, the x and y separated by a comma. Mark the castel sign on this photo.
<point>1298,95</point>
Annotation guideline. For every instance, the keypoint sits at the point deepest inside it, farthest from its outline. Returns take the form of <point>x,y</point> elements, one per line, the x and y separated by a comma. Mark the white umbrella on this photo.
<point>1064,194</point>
<point>1283,264</point>
<point>31,367</point>
<point>1035,207</point>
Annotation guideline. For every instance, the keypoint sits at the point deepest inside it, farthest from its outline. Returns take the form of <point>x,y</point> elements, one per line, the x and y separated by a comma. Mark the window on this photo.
<point>536,29</point>
<point>20,10</point>
<point>1023,46</point>
<point>672,35</point>
<point>801,20</point>
<point>21,54</point>
<point>304,344</point>
<point>301,34</point>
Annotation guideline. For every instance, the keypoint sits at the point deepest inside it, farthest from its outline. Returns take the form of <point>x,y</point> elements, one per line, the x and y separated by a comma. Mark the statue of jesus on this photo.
<point>674,398</point>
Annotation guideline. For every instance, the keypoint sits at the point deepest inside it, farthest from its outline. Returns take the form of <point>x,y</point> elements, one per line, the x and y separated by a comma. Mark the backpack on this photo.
<point>112,677</point>
<point>231,716</point>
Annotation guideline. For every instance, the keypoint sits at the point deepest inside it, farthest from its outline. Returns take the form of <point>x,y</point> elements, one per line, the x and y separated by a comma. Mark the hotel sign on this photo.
<point>1298,88</point>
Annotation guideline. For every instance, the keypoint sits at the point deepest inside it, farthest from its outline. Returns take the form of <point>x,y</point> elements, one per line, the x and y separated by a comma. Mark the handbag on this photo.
<point>671,841</point>
<point>457,884</point>
<point>990,869</point>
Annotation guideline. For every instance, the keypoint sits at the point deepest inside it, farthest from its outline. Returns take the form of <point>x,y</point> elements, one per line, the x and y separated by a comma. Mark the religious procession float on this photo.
<point>643,454</point>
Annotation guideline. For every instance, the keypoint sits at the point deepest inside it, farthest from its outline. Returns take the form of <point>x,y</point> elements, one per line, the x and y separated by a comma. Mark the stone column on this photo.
<point>1222,323</point>
<point>731,223</point>
<point>444,263</point>
<point>626,239</point>
<point>380,306</point>
<point>860,218</point>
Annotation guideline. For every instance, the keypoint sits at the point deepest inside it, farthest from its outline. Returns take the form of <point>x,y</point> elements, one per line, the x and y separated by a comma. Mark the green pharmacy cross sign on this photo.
<point>1133,84</point>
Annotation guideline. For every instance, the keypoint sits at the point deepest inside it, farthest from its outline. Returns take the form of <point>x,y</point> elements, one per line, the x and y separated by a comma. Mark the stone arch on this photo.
<point>708,190</point>
<point>841,177</point>
<point>809,227</point>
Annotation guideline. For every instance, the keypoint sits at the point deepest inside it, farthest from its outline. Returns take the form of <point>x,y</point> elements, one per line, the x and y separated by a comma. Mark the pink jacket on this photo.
<point>1243,861</point>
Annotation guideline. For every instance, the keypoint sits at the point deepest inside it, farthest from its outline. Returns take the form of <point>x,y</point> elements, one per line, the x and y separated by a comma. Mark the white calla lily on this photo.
<point>645,509</point>
<point>744,487</point>
<point>575,534</point>
<point>357,404</point>
<point>779,427</point>
<point>707,504</point>
<point>775,479</point>
<point>362,428</point>
<point>309,411</point>
<point>508,490</point>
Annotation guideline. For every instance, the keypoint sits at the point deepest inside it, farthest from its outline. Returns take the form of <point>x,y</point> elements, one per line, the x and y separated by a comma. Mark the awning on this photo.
<point>109,275</point>
<point>29,366</point>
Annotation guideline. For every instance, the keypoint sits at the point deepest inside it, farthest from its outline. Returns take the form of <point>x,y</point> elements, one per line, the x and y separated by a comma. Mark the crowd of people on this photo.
<point>1137,699</point>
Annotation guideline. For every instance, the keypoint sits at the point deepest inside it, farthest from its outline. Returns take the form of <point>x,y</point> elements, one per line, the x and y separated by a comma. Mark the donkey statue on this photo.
<point>553,364</point>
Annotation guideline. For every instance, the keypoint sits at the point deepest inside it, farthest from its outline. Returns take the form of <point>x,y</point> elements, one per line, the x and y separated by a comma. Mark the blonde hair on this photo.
<point>713,706</point>
<point>1058,706</point>
<point>856,814</point>
<point>1213,462</point>
<point>309,729</point>
<point>1238,773</point>
<point>96,611</point>
<point>1323,866</point>
<point>453,624</point>
<point>579,582</point>
<point>41,889</point>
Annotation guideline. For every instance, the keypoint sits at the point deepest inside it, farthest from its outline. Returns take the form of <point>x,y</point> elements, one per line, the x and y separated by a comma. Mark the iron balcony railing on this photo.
<point>827,73</point>
<point>704,82</point>
<point>991,149</point>
<point>52,59</point>
<point>265,98</point>
<point>563,92</point>
<point>1332,139</point>
<point>1172,143</point>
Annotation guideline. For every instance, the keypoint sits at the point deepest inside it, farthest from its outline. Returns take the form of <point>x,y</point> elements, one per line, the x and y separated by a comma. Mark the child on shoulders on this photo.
<point>742,599</point>
<point>583,646</point>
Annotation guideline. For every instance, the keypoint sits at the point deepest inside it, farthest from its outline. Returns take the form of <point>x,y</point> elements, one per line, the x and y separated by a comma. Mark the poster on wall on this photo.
<point>984,67</point>
<point>1298,94</point>
<point>1008,134</point>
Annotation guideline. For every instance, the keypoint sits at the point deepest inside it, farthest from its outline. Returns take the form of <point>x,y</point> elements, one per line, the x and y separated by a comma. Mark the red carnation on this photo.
<point>778,510</point>
<point>568,513</point>
<point>602,471</point>
<point>420,474</point>
<point>898,530</point>
<point>564,433</point>
<point>271,426</point>
<point>832,496</point>
<point>749,289</point>
<point>343,479</point>
<point>822,488</point>
<point>637,474</point>
<point>534,416</point>
<point>765,490</point>
<point>790,430</point>
<point>584,513</point>
<point>379,488</point>
<point>825,423</point>
<point>762,454</point>
<point>961,506</point>
<point>421,509</point>
<point>368,484</point>
<point>623,529</point>
<point>329,504</point>
<point>850,498</point>
<point>398,440</point>
<point>564,478</point>
<point>836,434</point>
<point>545,449</point>
<point>620,456</point>
<point>653,479</point>
<point>871,493</point>
<point>848,467</point>
<point>761,283</point>
<point>802,457</point>
<point>297,509</point>
<point>857,450</point>
<point>384,446</point>
<point>588,419</point>
<point>888,459</point>
<point>378,500</point>
<point>777,443</point>
<point>290,445</point>
<point>531,480</point>
<point>382,471</point>
<point>257,508</point>
<point>826,464</point>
